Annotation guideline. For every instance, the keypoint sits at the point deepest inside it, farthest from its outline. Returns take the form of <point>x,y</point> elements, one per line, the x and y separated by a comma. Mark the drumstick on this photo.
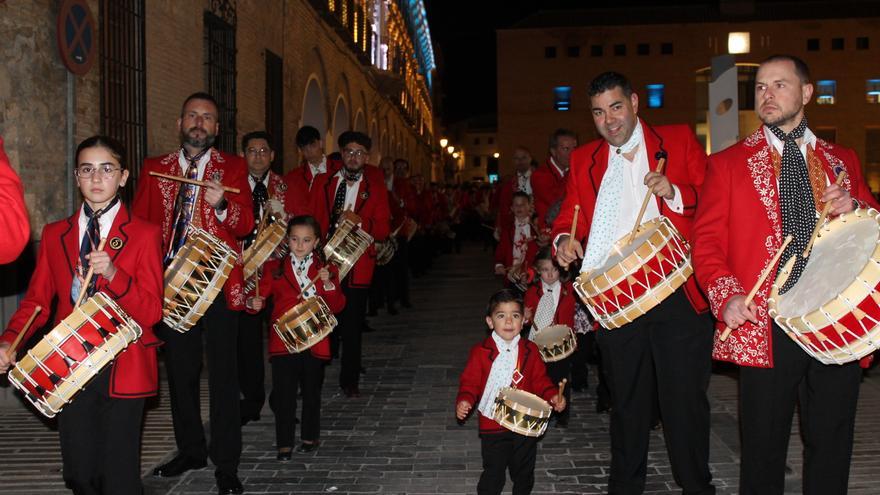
<point>574,226</point>
<point>759,283</point>
<point>562,386</point>
<point>194,182</point>
<point>821,221</point>
<point>85,285</point>
<point>11,349</point>
<point>659,170</point>
<point>311,283</point>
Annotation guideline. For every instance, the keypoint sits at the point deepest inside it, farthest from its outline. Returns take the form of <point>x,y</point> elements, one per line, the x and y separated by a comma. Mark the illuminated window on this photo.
<point>738,42</point>
<point>873,90</point>
<point>655,95</point>
<point>355,26</point>
<point>825,92</point>
<point>562,96</point>
<point>331,4</point>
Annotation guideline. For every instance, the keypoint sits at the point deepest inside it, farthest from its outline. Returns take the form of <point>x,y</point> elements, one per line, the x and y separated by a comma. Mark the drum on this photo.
<point>636,276</point>
<point>194,278</point>
<point>555,342</point>
<point>347,245</point>
<point>385,251</point>
<point>521,412</point>
<point>833,311</point>
<point>268,242</point>
<point>55,370</point>
<point>305,324</point>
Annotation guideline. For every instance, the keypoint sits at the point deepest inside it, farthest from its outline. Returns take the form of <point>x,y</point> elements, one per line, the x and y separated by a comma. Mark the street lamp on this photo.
<point>455,155</point>
<point>443,142</point>
<point>450,149</point>
<point>496,154</point>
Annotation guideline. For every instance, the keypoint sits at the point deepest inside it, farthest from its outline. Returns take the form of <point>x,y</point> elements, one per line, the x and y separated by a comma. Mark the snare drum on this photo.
<point>347,245</point>
<point>305,324</point>
<point>55,370</point>
<point>833,311</point>
<point>636,276</point>
<point>264,246</point>
<point>521,412</point>
<point>555,342</point>
<point>385,251</point>
<point>194,278</point>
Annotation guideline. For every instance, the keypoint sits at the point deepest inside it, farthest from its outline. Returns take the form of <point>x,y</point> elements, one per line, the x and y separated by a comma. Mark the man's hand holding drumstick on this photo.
<point>568,248</point>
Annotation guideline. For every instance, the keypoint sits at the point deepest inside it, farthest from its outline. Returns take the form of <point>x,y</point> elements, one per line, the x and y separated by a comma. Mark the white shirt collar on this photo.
<point>555,287</point>
<point>104,223</point>
<point>253,182</point>
<point>809,139</point>
<point>504,345</point>
<point>556,165</point>
<point>319,168</point>
<point>201,164</point>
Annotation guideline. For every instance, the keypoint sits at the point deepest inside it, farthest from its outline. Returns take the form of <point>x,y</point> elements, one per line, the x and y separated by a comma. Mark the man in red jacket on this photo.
<point>548,180</point>
<point>175,206</point>
<point>759,187</point>
<point>520,181</point>
<point>664,355</point>
<point>314,163</point>
<point>360,188</point>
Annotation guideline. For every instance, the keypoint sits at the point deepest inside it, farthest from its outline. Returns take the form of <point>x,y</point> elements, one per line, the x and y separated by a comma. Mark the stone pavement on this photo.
<point>401,437</point>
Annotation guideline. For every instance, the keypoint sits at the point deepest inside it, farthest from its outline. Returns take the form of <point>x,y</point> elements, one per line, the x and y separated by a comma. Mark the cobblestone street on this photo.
<point>401,437</point>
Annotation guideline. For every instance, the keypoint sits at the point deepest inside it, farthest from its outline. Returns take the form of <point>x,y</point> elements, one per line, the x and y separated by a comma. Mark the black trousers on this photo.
<point>101,441</point>
<point>507,451</point>
<point>663,356</point>
<point>828,395</point>
<point>215,336</point>
<point>350,328</point>
<point>251,373</point>
<point>381,291</point>
<point>400,272</point>
<point>558,370</point>
<point>301,370</point>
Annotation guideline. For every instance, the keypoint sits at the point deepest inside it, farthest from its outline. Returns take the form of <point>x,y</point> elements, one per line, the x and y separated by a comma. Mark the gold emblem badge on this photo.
<point>116,243</point>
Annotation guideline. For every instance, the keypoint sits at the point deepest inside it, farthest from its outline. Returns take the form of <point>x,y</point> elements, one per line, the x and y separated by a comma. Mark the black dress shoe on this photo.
<point>305,448</point>
<point>178,466</point>
<point>284,454</point>
<point>228,483</point>
<point>247,418</point>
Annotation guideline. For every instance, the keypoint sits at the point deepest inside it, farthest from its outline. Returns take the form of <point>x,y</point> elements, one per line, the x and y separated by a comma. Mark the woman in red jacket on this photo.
<point>284,280</point>
<point>100,429</point>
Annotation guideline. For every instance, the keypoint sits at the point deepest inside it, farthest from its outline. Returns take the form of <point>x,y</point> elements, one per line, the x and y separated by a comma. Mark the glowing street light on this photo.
<point>455,155</point>
<point>496,154</point>
<point>443,142</point>
<point>450,149</point>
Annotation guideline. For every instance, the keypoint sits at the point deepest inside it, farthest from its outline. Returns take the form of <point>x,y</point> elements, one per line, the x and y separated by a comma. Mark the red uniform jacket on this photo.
<point>737,233</point>
<point>13,215</point>
<point>685,168</point>
<point>300,179</point>
<point>504,249</point>
<point>136,287</point>
<point>154,201</point>
<point>505,198</point>
<point>548,188</point>
<point>371,205</point>
<point>285,291</point>
<point>479,364</point>
<point>564,310</point>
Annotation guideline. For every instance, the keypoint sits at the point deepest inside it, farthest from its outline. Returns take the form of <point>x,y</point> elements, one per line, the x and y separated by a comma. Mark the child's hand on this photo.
<point>462,410</point>
<point>558,402</point>
<point>324,274</point>
<point>256,303</point>
<point>527,315</point>
<point>500,270</point>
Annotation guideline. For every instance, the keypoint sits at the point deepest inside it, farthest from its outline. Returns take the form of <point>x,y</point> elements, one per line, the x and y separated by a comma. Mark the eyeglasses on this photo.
<point>87,171</point>
<point>260,151</point>
<point>355,153</point>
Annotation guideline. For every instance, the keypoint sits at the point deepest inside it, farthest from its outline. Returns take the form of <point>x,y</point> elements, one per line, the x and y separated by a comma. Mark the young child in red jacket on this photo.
<point>517,244</point>
<point>493,364</point>
<point>283,280</point>
<point>559,310</point>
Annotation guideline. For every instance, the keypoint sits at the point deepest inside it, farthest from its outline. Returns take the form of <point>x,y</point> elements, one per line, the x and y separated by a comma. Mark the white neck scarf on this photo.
<point>546,309</point>
<point>501,374</point>
<point>524,182</point>
<point>301,272</point>
<point>606,213</point>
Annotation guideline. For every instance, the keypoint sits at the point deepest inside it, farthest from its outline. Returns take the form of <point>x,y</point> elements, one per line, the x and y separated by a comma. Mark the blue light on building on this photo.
<point>562,98</point>
<point>826,91</point>
<point>418,21</point>
<point>655,95</point>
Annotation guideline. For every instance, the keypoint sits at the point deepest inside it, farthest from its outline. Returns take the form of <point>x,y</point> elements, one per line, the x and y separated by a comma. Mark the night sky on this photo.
<point>464,46</point>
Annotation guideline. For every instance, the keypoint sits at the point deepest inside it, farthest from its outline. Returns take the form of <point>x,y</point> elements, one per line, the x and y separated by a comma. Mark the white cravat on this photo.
<point>301,272</point>
<point>521,240</point>
<point>546,308</point>
<point>524,182</point>
<point>501,374</point>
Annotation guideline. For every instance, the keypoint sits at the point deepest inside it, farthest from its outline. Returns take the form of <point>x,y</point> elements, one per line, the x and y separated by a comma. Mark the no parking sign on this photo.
<point>75,32</point>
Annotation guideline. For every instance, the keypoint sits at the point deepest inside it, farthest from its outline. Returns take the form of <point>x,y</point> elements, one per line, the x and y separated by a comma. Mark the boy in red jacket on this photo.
<point>494,363</point>
<point>548,302</point>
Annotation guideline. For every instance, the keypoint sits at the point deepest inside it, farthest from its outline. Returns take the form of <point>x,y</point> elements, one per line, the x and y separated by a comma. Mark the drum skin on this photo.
<point>305,324</point>
<point>521,412</point>
<point>556,342</point>
<point>348,244</point>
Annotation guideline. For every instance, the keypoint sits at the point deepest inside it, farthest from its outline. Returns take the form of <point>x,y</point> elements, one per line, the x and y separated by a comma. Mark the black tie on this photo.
<point>261,196</point>
<point>795,200</point>
<point>338,205</point>
<point>91,239</point>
